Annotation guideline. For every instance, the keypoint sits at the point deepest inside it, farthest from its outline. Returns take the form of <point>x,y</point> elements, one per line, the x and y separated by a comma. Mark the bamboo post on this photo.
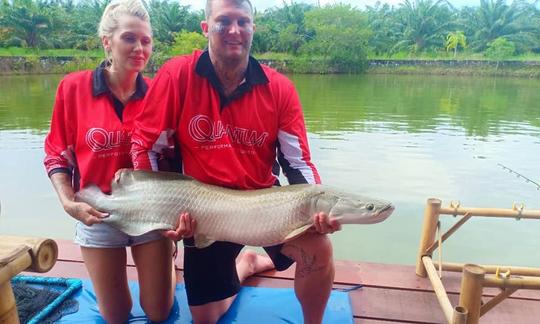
<point>438,287</point>
<point>431,218</point>
<point>496,300</point>
<point>512,282</point>
<point>471,291</point>
<point>493,212</point>
<point>43,252</point>
<point>460,315</point>
<point>521,271</point>
<point>8,309</point>
<point>19,261</point>
<point>16,255</point>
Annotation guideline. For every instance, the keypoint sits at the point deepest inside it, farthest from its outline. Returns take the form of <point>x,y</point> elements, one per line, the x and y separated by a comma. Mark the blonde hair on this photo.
<point>116,9</point>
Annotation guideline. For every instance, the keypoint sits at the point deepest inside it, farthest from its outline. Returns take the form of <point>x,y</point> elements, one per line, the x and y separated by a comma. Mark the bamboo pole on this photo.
<point>492,212</point>
<point>471,291</point>
<point>14,267</point>
<point>44,252</point>
<point>8,309</point>
<point>496,300</point>
<point>512,282</point>
<point>460,315</point>
<point>431,218</point>
<point>438,287</point>
<point>521,271</point>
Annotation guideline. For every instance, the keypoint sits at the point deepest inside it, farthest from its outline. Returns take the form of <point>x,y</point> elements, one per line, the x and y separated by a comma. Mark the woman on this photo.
<point>88,142</point>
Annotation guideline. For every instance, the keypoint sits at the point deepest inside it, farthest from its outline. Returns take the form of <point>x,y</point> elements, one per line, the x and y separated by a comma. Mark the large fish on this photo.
<point>142,201</point>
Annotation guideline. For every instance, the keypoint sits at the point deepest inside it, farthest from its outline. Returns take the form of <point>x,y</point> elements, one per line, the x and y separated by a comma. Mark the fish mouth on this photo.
<point>385,212</point>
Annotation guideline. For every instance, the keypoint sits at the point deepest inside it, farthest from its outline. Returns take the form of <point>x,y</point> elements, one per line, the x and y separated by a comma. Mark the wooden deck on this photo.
<point>389,293</point>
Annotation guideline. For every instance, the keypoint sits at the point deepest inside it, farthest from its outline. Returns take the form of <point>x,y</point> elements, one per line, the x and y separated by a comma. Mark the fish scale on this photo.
<point>142,201</point>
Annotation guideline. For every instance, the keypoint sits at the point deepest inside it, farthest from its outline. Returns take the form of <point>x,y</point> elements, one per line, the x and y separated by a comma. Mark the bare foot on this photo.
<point>249,263</point>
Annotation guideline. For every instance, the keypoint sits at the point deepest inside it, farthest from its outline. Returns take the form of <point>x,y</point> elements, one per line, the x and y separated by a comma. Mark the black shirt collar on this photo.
<point>99,84</point>
<point>254,76</point>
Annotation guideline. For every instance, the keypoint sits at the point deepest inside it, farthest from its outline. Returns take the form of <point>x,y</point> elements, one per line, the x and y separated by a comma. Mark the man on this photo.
<point>228,117</point>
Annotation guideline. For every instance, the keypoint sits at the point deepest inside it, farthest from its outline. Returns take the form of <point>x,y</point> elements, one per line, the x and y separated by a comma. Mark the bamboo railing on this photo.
<point>475,277</point>
<point>19,254</point>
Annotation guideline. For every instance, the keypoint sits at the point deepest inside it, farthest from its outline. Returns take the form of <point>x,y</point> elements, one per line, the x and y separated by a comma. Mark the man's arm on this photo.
<point>293,151</point>
<point>295,158</point>
<point>155,125</point>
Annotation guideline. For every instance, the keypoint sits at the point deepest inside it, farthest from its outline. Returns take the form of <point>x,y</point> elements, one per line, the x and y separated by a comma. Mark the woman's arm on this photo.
<point>78,210</point>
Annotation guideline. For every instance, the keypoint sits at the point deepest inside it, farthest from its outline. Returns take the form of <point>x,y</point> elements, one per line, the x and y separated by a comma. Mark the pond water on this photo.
<point>402,138</point>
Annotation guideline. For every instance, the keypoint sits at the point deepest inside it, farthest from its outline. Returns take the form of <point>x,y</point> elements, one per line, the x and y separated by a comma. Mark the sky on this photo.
<point>261,5</point>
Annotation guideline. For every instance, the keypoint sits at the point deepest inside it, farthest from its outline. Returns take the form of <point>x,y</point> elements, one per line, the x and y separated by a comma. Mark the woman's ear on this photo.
<point>106,42</point>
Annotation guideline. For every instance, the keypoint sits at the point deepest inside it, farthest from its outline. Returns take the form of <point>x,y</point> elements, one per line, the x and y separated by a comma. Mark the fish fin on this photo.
<point>297,232</point>
<point>202,241</point>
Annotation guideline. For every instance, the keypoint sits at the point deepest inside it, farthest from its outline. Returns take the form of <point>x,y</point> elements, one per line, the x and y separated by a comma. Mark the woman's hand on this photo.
<point>324,224</point>
<point>85,213</point>
<point>185,227</point>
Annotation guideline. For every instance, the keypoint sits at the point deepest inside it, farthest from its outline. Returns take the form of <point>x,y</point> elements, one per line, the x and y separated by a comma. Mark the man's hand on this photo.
<point>118,173</point>
<point>85,213</point>
<point>185,227</point>
<point>324,224</point>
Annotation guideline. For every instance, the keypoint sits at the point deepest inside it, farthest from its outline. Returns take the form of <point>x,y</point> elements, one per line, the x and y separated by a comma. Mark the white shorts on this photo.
<point>105,236</point>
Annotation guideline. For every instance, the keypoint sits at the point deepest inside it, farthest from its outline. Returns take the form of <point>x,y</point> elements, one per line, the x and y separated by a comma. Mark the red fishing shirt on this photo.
<point>228,141</point>
<point>90,135</point>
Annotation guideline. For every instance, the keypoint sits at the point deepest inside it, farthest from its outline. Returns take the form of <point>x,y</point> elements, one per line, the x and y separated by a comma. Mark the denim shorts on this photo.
<point>105,236</point>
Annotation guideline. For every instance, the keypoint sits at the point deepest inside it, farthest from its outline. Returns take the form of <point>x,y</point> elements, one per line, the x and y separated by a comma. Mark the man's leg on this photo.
<point>213,276</point>
<point>314,274</point>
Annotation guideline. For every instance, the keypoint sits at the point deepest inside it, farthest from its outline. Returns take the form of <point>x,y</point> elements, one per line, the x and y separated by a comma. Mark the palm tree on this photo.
<point>517,23</point>
<point>283,29</point>
<point>169,18</point>
<point>423,24</point>
<point>27,22</point>
<point>454,40</point>
<point>382,21</point>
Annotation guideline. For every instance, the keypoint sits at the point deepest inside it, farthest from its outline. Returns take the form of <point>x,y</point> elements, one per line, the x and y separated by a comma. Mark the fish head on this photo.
<point>349,208</point>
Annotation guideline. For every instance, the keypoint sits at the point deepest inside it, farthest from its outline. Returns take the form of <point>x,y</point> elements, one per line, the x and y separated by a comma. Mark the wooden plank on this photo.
<point>347,272</point>
<point>376,304</point>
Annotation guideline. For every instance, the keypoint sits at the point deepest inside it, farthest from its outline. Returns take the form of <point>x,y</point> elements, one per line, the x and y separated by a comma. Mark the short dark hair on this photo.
<point>208,9</point>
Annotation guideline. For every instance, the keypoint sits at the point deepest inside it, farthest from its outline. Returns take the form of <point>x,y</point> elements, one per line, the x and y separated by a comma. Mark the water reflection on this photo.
<point>479,106</point>
<point>26,102</point>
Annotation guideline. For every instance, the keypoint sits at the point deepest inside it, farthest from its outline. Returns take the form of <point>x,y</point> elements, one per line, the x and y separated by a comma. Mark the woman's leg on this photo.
<point>157,280</point>
<point>107,269</point>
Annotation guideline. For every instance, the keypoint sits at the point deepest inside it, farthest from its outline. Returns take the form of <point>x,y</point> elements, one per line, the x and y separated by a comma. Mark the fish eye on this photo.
<point>370,206</point>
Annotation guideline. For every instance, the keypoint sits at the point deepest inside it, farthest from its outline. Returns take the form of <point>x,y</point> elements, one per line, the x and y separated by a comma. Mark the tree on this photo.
<point>28,23</point>
<point>169,18</point>
<point>185,42</point>
<point>500,49</point>
<point>494,18</point>
<point>84,20</point>
<point>423,24</point>
<point>340,37</point>
<point>454,40</point>
<point>282,29</point>
<point>383,24</point>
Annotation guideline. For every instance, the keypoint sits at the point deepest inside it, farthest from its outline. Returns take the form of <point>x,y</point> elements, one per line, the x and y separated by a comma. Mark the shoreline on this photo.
<point>33,65</point>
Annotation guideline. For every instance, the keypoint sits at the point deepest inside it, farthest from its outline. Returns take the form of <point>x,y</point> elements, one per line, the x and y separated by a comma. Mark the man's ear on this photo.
<point>204,28</point>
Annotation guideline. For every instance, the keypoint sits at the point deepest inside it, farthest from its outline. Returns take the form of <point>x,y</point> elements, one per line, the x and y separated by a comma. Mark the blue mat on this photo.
<point>253,305</point>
